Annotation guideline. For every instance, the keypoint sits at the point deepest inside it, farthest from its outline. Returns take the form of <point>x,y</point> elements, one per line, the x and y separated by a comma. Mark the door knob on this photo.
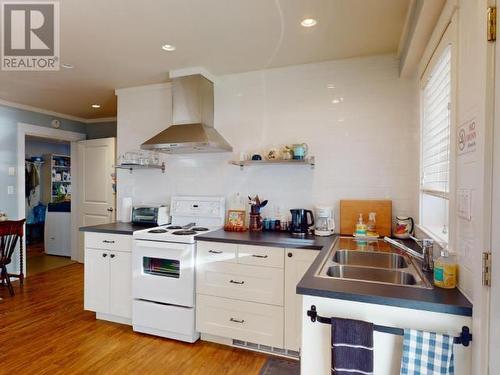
<point>110,209</point>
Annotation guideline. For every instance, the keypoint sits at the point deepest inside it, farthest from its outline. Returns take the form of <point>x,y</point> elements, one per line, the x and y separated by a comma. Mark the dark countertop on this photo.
<point>437,299</point>
<point>274,239</point>
<point>449,301</point>
<point>115,228</point>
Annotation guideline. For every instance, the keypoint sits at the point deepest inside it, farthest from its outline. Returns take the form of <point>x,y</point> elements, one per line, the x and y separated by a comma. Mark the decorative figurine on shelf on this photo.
<point>255,219</point>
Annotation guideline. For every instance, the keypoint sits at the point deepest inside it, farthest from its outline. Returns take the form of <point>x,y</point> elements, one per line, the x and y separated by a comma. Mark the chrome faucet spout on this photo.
<point>406,249</point>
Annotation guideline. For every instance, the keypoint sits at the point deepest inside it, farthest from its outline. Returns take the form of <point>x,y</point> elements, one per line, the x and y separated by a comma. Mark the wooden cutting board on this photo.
<point>350,210</point>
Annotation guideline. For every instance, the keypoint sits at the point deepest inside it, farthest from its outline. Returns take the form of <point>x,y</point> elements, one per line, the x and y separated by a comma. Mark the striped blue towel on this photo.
<point>427,353</point>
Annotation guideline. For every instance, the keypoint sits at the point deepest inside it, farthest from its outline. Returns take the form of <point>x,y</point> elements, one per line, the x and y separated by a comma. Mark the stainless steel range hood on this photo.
<point>193,120</point>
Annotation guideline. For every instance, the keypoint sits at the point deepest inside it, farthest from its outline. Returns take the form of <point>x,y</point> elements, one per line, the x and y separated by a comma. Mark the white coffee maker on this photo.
<point>325,224</point>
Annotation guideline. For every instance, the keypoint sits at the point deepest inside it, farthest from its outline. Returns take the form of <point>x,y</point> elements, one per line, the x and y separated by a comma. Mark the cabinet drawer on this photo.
<point>239,281</point>
<point>246,321</point>
<point>261,256</point>
<point>216,252</point>
<point>106,241</point>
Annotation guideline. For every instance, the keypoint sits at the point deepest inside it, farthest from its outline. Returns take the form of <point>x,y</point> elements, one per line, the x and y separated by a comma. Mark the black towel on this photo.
<point>352,347</point>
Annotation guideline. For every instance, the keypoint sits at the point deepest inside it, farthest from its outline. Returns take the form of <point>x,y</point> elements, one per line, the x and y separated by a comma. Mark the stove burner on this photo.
<point>157,231</point>
<point>199,229</point>
<point>184,232</point>
<point>174,227</point>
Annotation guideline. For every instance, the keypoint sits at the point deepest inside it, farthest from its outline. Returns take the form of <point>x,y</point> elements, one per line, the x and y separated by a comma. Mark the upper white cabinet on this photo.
<point>108,276</point>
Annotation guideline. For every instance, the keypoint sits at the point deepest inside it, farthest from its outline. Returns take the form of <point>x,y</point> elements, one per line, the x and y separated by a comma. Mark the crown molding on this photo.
<point>42,111</point>
<point>99,120</point>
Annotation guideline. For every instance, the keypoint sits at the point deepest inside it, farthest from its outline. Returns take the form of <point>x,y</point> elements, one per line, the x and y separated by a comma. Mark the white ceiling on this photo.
<point>117,43</point>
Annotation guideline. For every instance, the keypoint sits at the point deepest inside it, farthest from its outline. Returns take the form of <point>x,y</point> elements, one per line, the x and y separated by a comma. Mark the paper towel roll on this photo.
<point>126,210</point>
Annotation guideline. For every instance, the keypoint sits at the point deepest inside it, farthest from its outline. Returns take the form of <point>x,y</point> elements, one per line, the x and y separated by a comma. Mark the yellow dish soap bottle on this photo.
<point>445,271</point>
<point>361,228</point>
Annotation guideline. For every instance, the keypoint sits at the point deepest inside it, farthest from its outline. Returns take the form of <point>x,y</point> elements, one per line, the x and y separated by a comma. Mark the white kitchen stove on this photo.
<point>175,233</point>
<point>163,268</point>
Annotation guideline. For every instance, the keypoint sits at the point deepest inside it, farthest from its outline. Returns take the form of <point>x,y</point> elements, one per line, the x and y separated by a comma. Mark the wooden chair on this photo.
<point>11,232</point>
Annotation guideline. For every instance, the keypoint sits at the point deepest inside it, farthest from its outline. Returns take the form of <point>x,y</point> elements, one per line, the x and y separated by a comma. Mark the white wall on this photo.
<point>365,147</point>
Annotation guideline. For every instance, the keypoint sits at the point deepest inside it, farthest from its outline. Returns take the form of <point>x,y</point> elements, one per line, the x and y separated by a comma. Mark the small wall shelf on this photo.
<point>249,163</point>
<point>131,167</point>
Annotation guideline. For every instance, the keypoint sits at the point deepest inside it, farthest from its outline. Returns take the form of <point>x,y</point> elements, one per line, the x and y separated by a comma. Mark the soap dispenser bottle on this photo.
<point>445,271</point>
<point>361,228</point>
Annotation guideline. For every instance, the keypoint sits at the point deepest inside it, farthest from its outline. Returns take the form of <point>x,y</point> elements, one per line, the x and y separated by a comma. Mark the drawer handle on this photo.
<point>104,255</point>
<point>259,256</point>
<point>108,241</point>
<point>236,282</point>
<point>215,251</point>
<point>112,255</point>
<point>237,321</point>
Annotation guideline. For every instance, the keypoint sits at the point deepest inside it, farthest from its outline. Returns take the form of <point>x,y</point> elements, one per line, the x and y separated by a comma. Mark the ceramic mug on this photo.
<point>299,151</point>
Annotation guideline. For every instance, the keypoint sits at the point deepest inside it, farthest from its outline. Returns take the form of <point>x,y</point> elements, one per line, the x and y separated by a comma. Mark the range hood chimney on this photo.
<point>192,118</point>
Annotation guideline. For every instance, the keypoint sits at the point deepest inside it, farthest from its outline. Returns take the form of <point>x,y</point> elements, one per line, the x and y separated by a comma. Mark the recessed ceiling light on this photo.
<point>67,66</point>
<point>309,22</point>
<point>96,106</point>
<point>168,47</point>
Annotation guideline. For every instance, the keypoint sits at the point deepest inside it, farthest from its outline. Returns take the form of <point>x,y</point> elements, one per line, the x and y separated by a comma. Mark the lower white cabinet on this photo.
<point>246,321</point>
<point>108,282</point>
<point>248,293</point>
<point>297,262</point>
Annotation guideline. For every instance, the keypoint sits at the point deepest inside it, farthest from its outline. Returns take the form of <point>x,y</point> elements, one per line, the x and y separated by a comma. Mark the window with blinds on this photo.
<point>436,98</point>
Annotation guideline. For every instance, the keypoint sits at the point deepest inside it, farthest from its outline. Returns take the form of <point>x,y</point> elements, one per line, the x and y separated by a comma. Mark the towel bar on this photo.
<point>465,336</point>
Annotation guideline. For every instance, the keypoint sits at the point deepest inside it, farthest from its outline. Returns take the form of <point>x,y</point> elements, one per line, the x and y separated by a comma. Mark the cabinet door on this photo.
<point>297,262</point>
<point>96,290</point>
<point>120,293</point>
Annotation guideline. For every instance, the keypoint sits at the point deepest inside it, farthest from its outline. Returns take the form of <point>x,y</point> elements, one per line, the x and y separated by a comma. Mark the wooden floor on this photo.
<point>44,330</point>
<point>37,261</point>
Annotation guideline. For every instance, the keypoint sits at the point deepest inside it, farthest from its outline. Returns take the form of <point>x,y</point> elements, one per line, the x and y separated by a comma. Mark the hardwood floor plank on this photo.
<point>44,330</point>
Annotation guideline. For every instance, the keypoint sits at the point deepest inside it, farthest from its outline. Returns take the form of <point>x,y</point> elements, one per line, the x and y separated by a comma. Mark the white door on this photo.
<point>120,298</point>
<point>96,203</point>
<point>96,293</point>
<point>494,329</point>
<point>297,263</point>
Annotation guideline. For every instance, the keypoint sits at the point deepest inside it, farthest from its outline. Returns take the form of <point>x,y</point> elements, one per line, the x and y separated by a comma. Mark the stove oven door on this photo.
<point>163,272</point>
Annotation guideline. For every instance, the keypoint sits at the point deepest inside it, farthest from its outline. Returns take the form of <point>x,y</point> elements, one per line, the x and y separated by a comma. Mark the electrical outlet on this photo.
<point>10,190</point>
<point>12,171</point>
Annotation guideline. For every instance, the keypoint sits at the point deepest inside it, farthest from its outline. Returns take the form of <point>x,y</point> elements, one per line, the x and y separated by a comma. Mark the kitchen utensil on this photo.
<point>300,223</point>
<point>404,227</point>
<point>325,224</point>
<point>350,210</point>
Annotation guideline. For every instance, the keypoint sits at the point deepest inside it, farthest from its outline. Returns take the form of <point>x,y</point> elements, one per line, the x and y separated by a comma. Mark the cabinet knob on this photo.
<point>110,209</point>
<point>290,255</point>
<point>104,255</point>
<point>108,241</point>
<point>112,255</point>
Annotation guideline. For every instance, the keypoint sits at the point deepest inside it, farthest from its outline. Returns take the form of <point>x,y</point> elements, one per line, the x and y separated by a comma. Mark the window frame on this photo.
<point>448,39</point>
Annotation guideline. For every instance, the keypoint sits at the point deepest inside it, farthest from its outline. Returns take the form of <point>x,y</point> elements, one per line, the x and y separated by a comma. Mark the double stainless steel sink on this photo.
<point>373,261</point>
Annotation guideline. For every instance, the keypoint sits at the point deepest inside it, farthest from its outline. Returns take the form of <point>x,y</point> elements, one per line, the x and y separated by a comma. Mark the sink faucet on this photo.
<point>427,246</point>
<point>426,257</point>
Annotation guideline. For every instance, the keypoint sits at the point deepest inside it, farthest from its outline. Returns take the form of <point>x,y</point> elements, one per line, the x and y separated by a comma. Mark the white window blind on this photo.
<point>436,98</point>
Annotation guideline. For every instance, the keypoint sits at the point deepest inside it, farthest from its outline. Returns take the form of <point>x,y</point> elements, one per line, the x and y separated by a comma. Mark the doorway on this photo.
<point>48,204</point>
<point>46,158</point>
